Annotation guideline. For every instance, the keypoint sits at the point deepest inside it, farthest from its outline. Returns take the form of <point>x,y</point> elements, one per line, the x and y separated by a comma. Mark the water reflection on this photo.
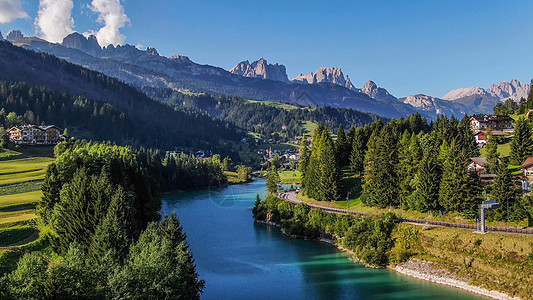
<point>240,259</point>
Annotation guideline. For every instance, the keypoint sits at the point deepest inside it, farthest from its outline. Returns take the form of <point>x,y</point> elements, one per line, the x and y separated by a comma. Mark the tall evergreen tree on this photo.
<point>272,180</point>
<point>426,184</point>
<point>342,147</point>
<point>466,139</point>
<point>522,142</point>
<point>503,191</point>
<point>359,147</point>
<point>493,156</point>
<point>311,177</point>
<point>304,154</point>
<point>382,189</point>
<point>330,174</point>
<point>459,189</point>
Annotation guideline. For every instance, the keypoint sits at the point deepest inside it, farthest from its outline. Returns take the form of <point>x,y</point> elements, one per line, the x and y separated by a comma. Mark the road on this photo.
<point>291,197</point>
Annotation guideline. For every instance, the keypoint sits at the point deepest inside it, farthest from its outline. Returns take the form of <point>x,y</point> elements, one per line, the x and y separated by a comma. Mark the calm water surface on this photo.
<point>240,259</point>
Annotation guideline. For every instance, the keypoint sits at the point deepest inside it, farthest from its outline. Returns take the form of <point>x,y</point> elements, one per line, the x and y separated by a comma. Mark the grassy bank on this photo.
<point>495,261</point>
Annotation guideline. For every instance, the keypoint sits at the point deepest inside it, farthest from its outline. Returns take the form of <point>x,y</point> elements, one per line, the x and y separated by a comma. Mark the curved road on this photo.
<point>291,197</point>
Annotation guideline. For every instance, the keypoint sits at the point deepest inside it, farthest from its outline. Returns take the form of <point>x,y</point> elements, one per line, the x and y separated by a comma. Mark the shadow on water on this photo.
<point>240,259</point>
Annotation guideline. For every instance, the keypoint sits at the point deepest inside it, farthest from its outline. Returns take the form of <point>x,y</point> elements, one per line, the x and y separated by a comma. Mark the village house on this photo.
<point>527,178</point>
<point>494,122</point>
<point>33,134</point>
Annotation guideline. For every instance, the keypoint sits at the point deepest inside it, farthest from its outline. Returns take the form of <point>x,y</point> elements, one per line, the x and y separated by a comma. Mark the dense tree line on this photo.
<point>368,237</point>
<point>262,118</point>
<point>24,104</point>
<point>102,203</point>
<point>408,163</point>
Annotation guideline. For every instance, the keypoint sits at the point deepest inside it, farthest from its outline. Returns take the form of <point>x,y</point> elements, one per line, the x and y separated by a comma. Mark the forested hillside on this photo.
<point>55,91</point>
<point>260,117</point>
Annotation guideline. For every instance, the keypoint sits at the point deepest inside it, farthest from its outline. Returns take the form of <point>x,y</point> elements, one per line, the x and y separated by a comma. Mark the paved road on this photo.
<point>291,197</point>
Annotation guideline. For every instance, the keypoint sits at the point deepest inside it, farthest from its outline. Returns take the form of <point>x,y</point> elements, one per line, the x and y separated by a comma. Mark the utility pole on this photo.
<point>347,199</point>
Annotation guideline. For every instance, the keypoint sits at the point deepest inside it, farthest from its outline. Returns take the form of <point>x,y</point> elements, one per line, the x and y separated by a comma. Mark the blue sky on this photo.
<point>407,47</point>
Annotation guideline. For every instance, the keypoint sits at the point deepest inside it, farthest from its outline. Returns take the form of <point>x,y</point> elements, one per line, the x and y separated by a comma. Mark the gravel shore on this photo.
<point>425,270</point>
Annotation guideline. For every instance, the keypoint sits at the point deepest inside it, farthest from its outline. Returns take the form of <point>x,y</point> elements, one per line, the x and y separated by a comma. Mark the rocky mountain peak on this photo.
<point>152,51</point>
<point>349,84</point>
<point>510,89</point>
<point>1,37</point>
<point>85,44</point>
<point>261,69</point>
<point>373,91</point>
<point>498,91</point>
<point>14,36</point>
<point>323,75</point>
<point>464,92</point>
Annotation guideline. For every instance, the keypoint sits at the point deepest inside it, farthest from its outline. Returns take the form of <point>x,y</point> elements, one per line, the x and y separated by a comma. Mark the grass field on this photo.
<point>290,177</point>
<point>308,127</point>
<point>503,149</point>
<point>496,261</point>
<point>6,154</point>
<point>275,104</point>
<point>20,184</point>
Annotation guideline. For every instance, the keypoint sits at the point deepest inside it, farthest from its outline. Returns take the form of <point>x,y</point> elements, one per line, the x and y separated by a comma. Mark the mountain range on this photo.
<point>148,68</point>
<point>260,80</point>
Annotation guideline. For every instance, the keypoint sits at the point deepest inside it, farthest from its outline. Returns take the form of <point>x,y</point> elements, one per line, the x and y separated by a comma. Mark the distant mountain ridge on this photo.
<point>260,80</point>
<point>148,68</point>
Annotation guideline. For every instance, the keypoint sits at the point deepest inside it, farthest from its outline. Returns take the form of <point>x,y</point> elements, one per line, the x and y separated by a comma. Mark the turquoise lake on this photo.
<point>240,259</point>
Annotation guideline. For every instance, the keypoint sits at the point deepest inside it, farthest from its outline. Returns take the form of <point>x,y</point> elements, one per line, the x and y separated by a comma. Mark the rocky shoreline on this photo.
<point>420,269</point>
<point>425,270</point>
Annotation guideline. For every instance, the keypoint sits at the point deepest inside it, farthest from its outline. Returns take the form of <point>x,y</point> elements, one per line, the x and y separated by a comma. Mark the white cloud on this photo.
<point>111,14</point>
<point>11,10</point>
<point>54,19</point>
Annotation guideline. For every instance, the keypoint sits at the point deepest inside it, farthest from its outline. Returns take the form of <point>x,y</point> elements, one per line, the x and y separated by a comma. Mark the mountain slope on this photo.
<point>147,68</point>
<point>169,128</point>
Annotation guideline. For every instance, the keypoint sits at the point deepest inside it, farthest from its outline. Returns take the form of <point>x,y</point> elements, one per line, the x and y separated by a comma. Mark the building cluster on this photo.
<point>36,135</point>
<point>500,126</point>
<point>285,156</point>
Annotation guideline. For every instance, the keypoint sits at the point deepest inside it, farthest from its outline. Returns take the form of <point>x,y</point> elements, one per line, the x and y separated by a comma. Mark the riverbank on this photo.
<point>426,270</point>
<point>415,268</point>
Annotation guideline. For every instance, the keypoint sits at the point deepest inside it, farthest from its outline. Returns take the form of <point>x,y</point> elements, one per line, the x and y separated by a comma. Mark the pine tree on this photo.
<point>459,189</point>
<point>342,147</point>
<point>503,191</point>
<point>304,155</point>
<point>426,184</point>
<point>409,156</point>
<point>493,156</point>
<point>382,188</point>
<point>115,231</point>
<point>330,174</point>
<point>359,147</point>
<point>466,139</point>
<point>311,177</point>
<point>272,180</point>
<point>522,142</point>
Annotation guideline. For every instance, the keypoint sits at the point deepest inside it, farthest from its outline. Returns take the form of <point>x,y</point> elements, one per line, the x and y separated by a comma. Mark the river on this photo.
<point>240,259</point>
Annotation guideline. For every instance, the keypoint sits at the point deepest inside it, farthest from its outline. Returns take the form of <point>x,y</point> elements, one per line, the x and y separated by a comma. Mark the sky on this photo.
<point>408,47</point>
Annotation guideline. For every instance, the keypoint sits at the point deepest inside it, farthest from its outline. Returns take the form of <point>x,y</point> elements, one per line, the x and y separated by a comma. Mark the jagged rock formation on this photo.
<point>323,75</point>
<point>349,84</point>
<point>85,44</point>
<point>510,89</point>
<point>432,104</point>
<point>14,36</point>
<point>373,91</point>
<point>261,69</point>
<point>1,37</point>
<point>152,51</point>
<point>500,91</point>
